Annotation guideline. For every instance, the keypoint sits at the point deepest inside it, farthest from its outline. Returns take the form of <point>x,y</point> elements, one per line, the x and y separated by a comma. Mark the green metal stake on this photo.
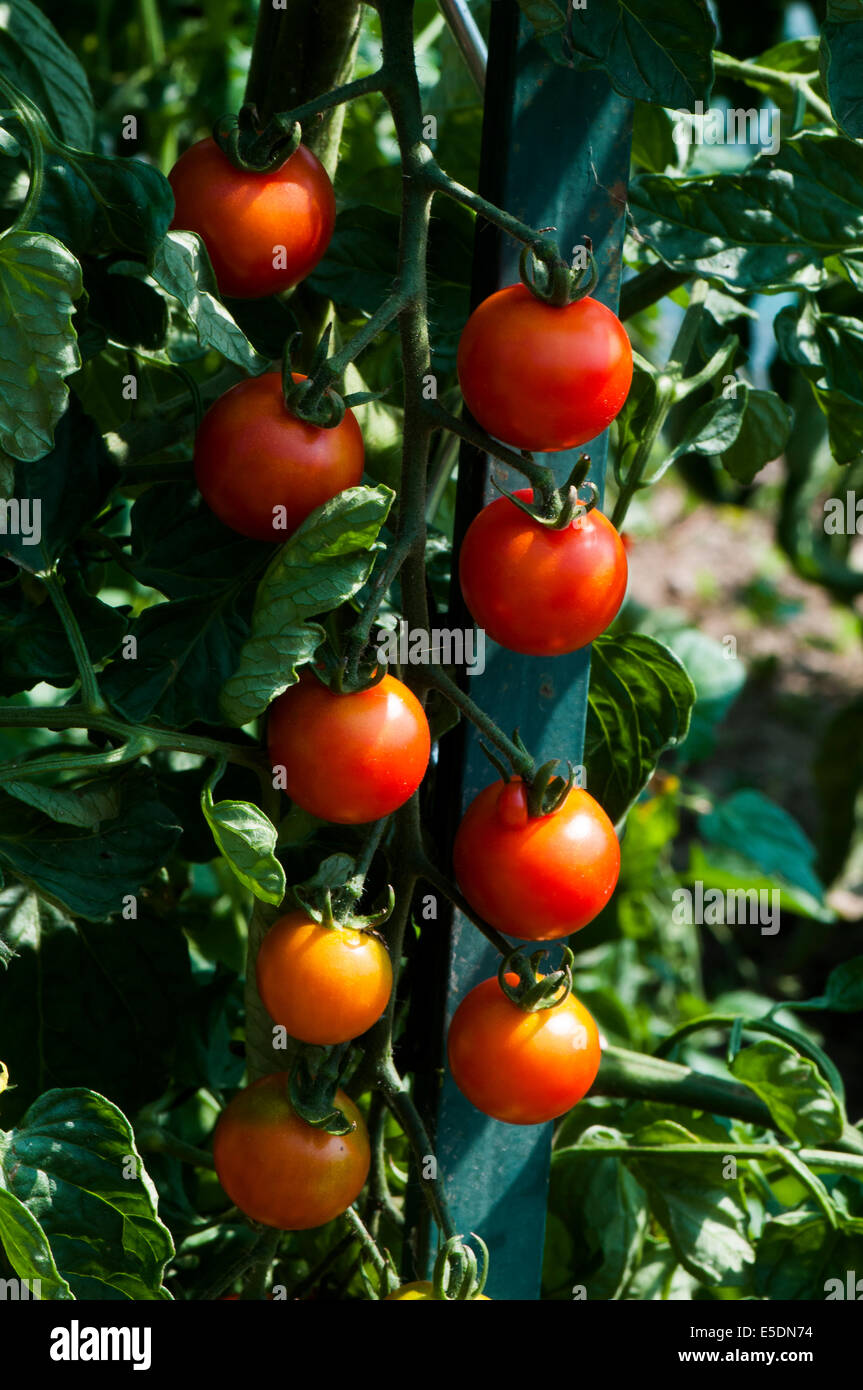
<point>556,147</point>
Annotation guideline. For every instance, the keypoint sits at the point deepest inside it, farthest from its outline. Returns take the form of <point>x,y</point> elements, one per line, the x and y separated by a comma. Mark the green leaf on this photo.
<point>763,833</point>
<point>182,268</point>
<point>27,1248</point>
<point>96,204</point>
<point>86,806</point>
<point>34,643</point>
<point>183,652</point>
<point>132,983</point>
<point>799,1099</point>
<point>748,427</point>
<point>545,16</point>
<point>89,871</point>
<point>180,547</point>
<point>650,50</point>
<point>639,703</point>
<point>246,839</point>
<point>838,769</point>
<point>718,677</point>
<point>72,1162</point>
<point>764,432</point>
<point>318,568</point>
<point>37,61</point>
<point>701,1210</point>
<point>129,310</point>
<point>70,483</point>
<point>844,991</point>
<point>600,1199</point>
<point>841,58</point>
<point>771,226</point>
<point>828,348</point>
<point>39,282</point>
<point>800,1256</point>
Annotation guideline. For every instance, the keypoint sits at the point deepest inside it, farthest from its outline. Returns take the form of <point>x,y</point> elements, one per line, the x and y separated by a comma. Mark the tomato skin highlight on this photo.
<point>279,1169</point>
<point>543,378</point>
<point>422,1291</point>
<point>349,758</point>
<point>325,985</point>
<point>521,1068</point>
<point>243,216</point>
<point>539,880</point>
<point>539,591</point>
<point>252,455</point>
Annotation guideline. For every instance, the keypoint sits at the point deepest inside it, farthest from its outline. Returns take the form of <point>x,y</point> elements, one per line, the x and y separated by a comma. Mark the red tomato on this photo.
<point>536,878</point>
<point>279,1169</point>
<point>324,985</point>
<point>263,232</point>
<point>539,591</point>
<point>520,1067</point>
<point>349,758</point>
<point>262,470</point>
<point>542,378</point>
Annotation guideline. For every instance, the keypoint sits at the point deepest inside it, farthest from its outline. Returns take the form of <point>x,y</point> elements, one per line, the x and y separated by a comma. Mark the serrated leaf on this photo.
<point>97,204</point>
<point>701,1211</point>
<point>85,806</point>
<point>639,703</point>
<point>801,1256</point>
<point>39,282</point>
<point>748,427</point>
<point>182,267</point>
<point>67,1164</point>
<point>89,871</point>
<point>770,226</point>
<point>828,348</point>
<point>183,652</point>
<point>246,839</point>
<point>318,568</point>
<point>35,58</point>
<point>841,58</point>
<point>796,1094</point>
<point>650,50</point>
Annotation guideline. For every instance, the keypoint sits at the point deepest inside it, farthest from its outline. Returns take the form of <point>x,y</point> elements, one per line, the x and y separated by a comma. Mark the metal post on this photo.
<point>556,147</point>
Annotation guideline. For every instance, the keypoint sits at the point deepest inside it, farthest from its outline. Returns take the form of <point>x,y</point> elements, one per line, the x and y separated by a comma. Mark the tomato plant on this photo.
<point>324,984</point>
<point>538,590</point>
<point>381,737</point>
<point>241,519</point>
<point>536,877</point>
<point>543,377</point>
<point>263,231</point>
<point>520,1067</point>
<point>281,1170</point>
<point>261,469</point>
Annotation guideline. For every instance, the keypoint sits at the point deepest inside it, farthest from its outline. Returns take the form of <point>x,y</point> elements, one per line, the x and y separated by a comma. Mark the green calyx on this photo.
<point>557,508</point>
<point>550,279</point>
<point>253,147</point>
<point>535,992</point>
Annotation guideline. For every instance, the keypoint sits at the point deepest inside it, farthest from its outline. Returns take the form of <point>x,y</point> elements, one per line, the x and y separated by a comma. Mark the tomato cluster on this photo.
<point>540,378</point>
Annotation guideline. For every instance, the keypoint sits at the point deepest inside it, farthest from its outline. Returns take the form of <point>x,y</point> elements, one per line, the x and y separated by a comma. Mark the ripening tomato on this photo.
<point>422,1291</point>
<point>263,232</point>
<point>325,985</point>
<point>523,1068</point>
<point>261,469</point>
<point>349,758</point>
<point>539,591</point>
<point>543,378</point>
<point>279,1169</point>
<point>536,877</point>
